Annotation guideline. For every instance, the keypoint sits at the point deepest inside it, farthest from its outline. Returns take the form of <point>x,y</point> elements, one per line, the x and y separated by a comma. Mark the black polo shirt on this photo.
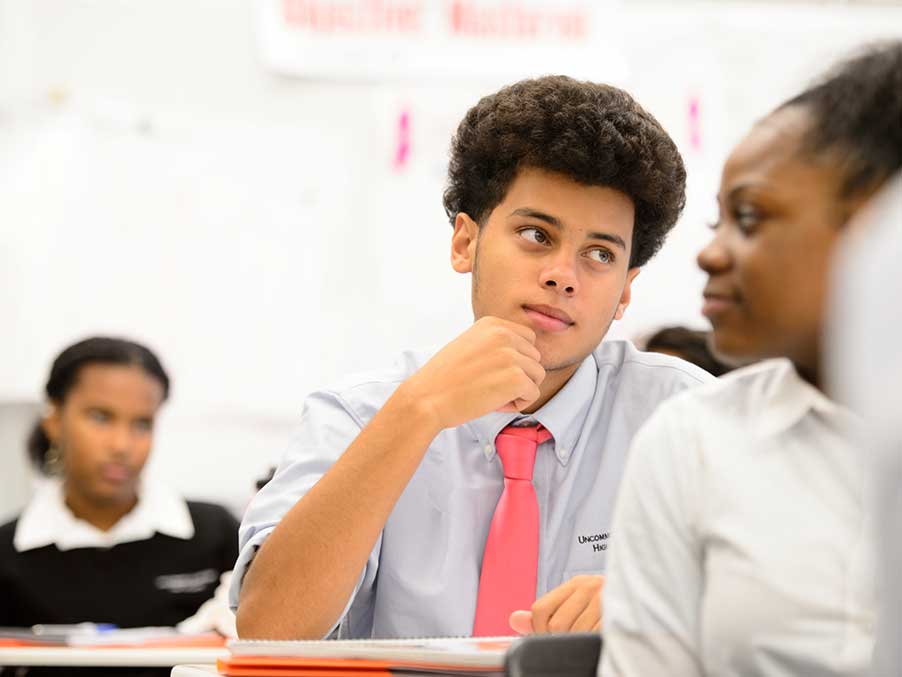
<point>154,582</point>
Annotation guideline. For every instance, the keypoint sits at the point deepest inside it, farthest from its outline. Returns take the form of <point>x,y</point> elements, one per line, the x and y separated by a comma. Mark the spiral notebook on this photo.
<point>474,656</point>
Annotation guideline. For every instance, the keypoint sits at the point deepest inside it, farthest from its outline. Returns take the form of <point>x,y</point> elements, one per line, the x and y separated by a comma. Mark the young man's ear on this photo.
<point>627,293</point>
<point>463,243</point>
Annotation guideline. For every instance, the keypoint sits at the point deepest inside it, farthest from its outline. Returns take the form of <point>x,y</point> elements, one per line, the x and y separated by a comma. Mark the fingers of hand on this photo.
<point>521,622</point>
<point>574,606</point>
<point>512,347</point>
<point>518,405</point>
<point>589,619</point>
<point>525,347</point>
<point>531,368</point>
<point>547,604</point>
<point>517,383</point>
<point>564,618</point>
<point>497,322</point>
<point>526,394</point>
<point>511,344</point>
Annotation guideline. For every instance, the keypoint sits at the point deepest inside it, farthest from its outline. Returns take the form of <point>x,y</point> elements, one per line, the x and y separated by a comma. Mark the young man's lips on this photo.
<point>548,318</point>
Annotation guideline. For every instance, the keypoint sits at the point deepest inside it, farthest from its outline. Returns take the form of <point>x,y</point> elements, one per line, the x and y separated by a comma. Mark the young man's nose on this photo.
<point>561,279</point>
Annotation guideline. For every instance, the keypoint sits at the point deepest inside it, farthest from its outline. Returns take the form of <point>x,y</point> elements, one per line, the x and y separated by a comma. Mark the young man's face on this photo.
<point>553,256</point>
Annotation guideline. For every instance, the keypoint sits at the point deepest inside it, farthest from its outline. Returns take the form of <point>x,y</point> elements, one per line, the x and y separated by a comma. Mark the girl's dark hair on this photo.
<point>857,111</point>
<point>69,363</point>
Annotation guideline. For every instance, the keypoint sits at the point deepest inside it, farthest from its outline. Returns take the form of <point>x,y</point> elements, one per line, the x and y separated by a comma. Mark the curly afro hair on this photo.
<point>857,111</point>
<point>593,133</point>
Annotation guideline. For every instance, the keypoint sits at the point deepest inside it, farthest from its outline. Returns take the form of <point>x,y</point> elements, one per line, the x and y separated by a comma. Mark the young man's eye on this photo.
<point>536,235</point>
<point>601,255</point>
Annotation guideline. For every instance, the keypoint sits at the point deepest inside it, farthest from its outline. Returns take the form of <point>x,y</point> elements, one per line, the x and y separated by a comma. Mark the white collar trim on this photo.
<point>789,398</point>
<point>47,520</point>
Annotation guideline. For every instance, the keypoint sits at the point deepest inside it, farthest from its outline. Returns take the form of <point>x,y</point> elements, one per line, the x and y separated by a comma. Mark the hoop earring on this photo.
<point>53,461</point>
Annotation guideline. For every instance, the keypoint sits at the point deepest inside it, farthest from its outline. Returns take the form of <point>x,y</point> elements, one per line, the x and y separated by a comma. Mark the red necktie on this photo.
<point>508,580</point>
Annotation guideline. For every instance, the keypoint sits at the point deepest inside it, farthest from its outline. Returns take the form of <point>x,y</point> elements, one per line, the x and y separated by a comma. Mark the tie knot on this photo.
<point>516,448</point>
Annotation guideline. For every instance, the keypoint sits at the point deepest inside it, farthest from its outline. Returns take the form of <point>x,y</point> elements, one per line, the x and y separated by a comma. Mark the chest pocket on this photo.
<point>589,555</point>
<point>187,583</point>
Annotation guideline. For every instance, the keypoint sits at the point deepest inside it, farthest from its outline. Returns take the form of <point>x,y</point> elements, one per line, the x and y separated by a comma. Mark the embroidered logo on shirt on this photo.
<point>598,541</point>
<point>187,583</point>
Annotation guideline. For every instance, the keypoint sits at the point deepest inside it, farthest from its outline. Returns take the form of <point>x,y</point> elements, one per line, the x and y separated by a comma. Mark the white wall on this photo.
<point>15,425</point>
<point>156,181</point>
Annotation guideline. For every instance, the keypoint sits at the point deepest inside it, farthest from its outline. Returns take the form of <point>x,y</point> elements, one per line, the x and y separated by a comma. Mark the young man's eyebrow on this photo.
<point>554,221</point>
<point>541,216</point>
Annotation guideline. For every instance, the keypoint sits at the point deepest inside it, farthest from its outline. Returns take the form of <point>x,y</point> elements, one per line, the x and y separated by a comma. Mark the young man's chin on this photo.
<point>554,361</point>
<point>560,351</point>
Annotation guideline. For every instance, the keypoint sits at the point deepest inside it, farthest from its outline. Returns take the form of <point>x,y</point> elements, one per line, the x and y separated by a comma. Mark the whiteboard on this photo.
<point>266,234</point>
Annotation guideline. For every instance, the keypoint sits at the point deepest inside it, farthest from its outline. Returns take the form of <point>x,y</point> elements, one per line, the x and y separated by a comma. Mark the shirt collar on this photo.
<point>789,398</point>
<point>47,520</point>
<point>564,414</point>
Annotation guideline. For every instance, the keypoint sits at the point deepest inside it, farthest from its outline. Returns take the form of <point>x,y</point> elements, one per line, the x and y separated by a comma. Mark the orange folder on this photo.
<point>301,667</point>
<point>252,666</point>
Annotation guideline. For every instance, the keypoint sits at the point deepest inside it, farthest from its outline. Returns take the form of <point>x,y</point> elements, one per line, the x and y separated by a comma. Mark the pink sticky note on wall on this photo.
<point>402,148</point>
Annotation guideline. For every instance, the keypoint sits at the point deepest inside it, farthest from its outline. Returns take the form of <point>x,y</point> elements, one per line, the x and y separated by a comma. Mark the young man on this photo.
<point>406,506</point>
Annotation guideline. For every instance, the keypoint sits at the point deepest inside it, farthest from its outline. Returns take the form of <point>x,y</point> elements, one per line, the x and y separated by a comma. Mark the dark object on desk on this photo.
<point>571,655</point>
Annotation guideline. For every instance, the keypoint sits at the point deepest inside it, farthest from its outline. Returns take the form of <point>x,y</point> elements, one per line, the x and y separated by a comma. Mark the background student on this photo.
<point>742,544</point>
<point>692,345</point>
<point>99,542</point>
<point>388,517</point>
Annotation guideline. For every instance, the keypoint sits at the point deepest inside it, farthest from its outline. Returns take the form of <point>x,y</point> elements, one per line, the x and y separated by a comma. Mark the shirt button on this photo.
<point>562,452</point>
<point>488,449</point>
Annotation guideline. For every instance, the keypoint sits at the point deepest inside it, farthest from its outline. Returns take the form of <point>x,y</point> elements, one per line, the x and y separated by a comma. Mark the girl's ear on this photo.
<point>51,423</point>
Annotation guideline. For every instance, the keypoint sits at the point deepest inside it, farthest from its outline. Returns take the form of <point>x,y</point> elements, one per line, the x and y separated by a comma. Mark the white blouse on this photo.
<point>740,543</point>
<point>47,520</point>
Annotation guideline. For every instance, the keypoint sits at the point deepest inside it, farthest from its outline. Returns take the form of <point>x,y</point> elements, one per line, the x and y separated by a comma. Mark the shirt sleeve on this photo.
<point>652,595</point>
<point>328,425</point>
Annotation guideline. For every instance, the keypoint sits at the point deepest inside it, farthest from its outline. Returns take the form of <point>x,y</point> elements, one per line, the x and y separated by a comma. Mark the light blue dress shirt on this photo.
<point>422,576</point>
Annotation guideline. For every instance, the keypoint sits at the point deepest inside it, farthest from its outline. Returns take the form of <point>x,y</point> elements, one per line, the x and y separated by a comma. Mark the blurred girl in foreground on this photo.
<point>739,542</point>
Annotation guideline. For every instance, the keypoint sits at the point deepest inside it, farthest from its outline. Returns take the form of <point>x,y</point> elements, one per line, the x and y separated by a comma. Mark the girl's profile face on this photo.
<point>104,430</point>
<point>780,215</point>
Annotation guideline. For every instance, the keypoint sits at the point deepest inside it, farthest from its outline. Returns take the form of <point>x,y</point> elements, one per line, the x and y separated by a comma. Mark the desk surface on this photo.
<point>109,656</point>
